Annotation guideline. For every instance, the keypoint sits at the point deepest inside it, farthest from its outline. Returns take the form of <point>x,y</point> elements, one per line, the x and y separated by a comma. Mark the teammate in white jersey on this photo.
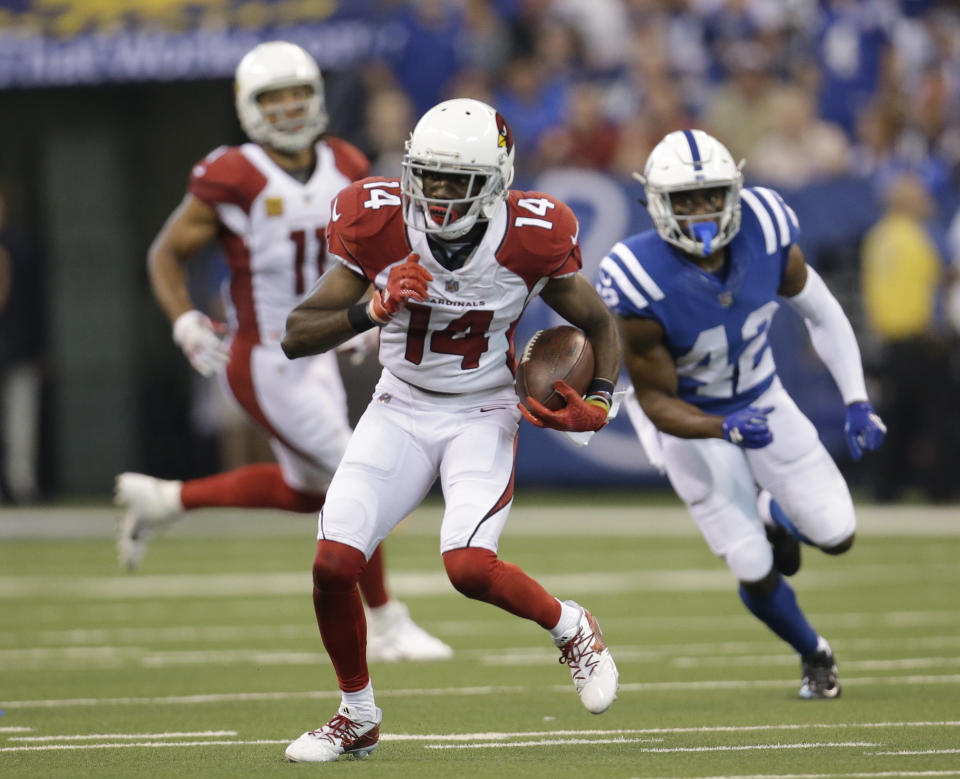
<point>694,299</point>
<point>268,203</point>
<point>455,257</point>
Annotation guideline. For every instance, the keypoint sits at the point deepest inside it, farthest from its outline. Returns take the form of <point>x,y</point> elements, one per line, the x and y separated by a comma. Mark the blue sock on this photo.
<point>777,515</point>
<point>779,612</point>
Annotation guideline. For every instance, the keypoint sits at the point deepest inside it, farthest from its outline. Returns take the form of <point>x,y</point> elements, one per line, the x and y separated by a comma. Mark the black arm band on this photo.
<point>600,387</point>
<point>359,317</point>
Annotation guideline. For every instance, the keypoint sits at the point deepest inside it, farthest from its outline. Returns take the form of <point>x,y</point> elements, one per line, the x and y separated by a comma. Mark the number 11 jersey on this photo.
<point>272,226</point>
<point>460,339</point>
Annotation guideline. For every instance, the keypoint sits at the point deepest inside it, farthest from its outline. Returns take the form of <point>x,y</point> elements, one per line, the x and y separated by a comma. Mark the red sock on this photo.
<point>253,486</point>
<point>373,584</point>
<point>339,610</point>
<point>480,574</point>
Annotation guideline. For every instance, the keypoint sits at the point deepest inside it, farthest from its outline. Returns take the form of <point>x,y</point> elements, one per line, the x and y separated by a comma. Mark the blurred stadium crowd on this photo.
<point>804,89</point>
<point>808,91</point>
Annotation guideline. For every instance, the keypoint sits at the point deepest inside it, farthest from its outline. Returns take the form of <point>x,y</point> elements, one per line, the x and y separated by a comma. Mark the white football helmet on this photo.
<point>275,65</point>
<point>686,160</point>
<point>459,137</point>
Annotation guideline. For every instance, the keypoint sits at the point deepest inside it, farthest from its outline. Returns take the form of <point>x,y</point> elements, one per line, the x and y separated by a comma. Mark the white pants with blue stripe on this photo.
<point>718,482</point>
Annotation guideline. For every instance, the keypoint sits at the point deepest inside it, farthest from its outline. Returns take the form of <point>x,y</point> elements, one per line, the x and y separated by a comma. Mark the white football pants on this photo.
<point>718,482</point>
<point>300,403</point>
<point>404,440</point>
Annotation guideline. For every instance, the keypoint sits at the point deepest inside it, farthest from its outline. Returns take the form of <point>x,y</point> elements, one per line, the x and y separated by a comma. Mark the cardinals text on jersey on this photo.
<point>272,227</point>
<point>461,338</point>
<point>716,325</point>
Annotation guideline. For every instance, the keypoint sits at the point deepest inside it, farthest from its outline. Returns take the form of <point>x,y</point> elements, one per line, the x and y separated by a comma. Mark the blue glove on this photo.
<point>863,428</point>
<point>748,427</point>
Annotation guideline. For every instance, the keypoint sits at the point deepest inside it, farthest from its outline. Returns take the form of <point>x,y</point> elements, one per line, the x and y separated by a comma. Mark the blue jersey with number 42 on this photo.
<point>716,325</point>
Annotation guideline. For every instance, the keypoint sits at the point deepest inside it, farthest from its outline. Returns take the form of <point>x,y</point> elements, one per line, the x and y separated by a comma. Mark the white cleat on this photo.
<point>392,636</point>
<point>591,665</point>
<point>149,505</point>
<point>345,734</point>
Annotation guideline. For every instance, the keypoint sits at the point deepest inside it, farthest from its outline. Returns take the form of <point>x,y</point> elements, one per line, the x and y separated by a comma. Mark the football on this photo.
<point>557,353</point>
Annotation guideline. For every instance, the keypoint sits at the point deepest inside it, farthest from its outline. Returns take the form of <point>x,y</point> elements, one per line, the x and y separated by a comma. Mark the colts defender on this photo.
<point>268,203</point>
<point>455,257</point>
<point>695,298</point>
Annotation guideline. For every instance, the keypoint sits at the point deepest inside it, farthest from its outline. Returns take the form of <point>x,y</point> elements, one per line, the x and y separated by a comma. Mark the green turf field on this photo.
<point>207,662</point>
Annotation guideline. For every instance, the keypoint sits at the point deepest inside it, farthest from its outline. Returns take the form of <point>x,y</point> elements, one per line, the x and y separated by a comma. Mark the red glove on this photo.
<point>406,281</point>
<point>578,415</point>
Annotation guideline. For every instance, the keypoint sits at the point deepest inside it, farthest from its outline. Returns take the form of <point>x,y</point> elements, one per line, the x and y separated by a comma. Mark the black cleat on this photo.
<point>786,549</point>
<point>820,678</point>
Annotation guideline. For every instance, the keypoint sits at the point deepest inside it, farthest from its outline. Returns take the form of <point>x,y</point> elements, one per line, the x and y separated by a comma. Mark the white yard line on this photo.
<point>734,748</point>
<point>672,731</point>
<point>38,658</point>
<point>921,752</point>
<point>100,636</point>
<point>718,657</point>
<point>525,739</point>
<point>15,730</point>
<point>751,747</point>
<point>77,639</point>
<point>417,584</point>
<point>786,659</point>
<point>841,620</point>
<point>502,735</point>
<point>404,583</point>
<point>138,744</point>
<point>527,518</point>
<point>737,684</point>
<point>240,697</point>
<point>93,736</point>
<point>488,745</point>
<point>902,662</point>
<point>487,736</point>
<point>452,691</point>
<point>844,775</point>
<point>544,742</point>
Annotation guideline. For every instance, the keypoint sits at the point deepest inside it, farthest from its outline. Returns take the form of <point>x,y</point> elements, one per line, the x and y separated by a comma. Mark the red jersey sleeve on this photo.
<point>366,225</point>
<point>226,176</point>
<point>350,161</point>
<point>542,237</point>
<point>566,240</point>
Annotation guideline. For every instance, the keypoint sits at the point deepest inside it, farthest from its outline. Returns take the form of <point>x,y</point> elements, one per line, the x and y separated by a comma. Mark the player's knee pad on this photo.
<point>750,559</point>
<point>336,566</point>
<point>824,515</point>
<point>763,588</point>
<point>841,547</point>
<point>831,528</point>
<point>470,570</point>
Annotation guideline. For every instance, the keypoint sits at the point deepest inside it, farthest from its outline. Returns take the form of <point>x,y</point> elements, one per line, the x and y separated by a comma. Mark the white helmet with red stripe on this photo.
<point>275,65</point>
